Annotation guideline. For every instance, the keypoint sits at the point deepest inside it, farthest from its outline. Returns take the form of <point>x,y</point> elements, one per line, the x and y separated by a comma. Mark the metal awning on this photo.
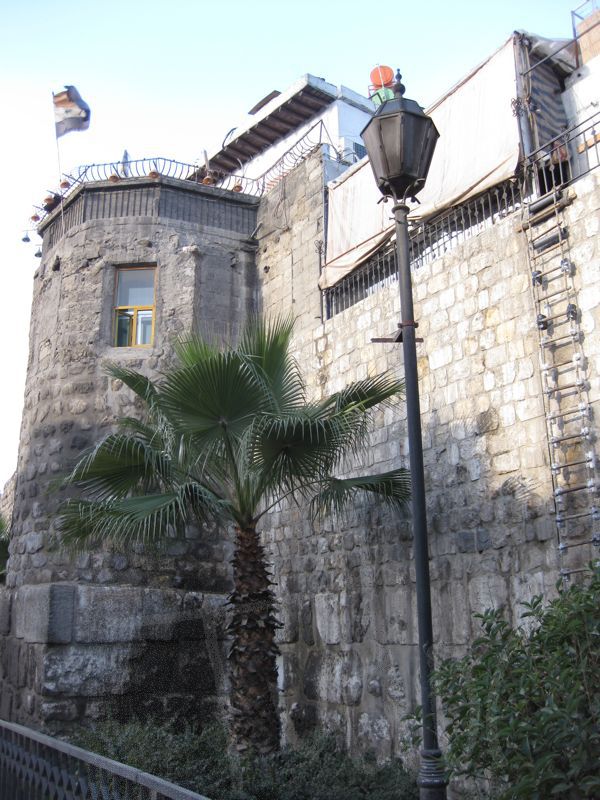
<point>293,111</point>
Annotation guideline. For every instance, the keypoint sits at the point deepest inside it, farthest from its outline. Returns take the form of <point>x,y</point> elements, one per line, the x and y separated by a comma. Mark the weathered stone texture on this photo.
<point>143,632</point>
<point>347,589</point>
<point>76,650</point>
<point>94,611</point>
<point>205,278</point>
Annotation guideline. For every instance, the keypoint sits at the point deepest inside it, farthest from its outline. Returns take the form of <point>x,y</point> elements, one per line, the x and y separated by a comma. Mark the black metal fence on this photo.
<point>567,158</point>
<point>38,767</point>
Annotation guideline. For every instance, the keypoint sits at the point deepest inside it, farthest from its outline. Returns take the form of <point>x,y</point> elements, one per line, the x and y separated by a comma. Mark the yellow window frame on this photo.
<point>134,309</point>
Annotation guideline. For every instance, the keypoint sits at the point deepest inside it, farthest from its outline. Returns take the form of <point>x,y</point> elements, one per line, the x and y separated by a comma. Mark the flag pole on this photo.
<point>71,113</point>
<point>62,210</point>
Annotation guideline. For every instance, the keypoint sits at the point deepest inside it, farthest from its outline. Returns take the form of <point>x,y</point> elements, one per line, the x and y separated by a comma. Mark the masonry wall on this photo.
<point>347,589</point>
<point>120,631</point>
<point>91,631</point>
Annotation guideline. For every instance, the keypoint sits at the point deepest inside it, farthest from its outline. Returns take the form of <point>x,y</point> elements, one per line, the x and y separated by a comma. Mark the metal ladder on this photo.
<point>567,409</point>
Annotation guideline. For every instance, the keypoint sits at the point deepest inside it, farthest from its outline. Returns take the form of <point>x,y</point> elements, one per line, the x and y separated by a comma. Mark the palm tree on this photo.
<point>228,434</point>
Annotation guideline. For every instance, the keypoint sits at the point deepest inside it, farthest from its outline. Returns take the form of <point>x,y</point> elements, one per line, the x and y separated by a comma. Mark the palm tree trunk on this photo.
<point>255,722</point>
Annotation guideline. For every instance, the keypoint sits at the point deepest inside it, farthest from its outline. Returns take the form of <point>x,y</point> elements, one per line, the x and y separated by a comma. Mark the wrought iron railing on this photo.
<point>116,171</point>
<point>564,159</point>
<point>428,241</point>
<point>38,767</point>
<point>567,158</point>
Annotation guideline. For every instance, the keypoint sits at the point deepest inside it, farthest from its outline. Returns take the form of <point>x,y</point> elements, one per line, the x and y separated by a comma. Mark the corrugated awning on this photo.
<point>293,112</point>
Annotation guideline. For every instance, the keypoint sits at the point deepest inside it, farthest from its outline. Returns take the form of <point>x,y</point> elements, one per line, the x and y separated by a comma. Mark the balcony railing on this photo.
<point>38,767</point>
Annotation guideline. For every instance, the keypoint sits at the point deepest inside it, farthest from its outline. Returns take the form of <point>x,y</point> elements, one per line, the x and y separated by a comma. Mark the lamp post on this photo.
<point>400,140</point>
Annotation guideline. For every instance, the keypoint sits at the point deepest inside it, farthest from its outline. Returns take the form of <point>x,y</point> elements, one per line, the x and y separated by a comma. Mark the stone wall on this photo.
<point>347,587</point>
<point>85,626</point>
<point>109,630</point>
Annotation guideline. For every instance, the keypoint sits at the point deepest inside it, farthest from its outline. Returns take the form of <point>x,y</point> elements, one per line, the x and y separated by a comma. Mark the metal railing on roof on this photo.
<point>153,168</point>
<point>167,167</point>
<point>34,766</point>
<point>566,158</point>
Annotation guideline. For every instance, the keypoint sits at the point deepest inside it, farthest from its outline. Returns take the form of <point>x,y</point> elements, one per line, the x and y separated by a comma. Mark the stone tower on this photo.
<point>126,267</point>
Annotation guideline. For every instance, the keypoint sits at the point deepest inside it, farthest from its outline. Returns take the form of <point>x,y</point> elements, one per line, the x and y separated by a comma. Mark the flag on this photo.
<point>71,113</point>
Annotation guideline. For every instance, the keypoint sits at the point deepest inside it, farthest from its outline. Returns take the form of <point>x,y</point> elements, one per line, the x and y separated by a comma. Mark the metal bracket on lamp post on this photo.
<point>396,338</point>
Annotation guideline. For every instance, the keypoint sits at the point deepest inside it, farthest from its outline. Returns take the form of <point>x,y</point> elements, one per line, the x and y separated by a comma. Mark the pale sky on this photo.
<point>170,79</point>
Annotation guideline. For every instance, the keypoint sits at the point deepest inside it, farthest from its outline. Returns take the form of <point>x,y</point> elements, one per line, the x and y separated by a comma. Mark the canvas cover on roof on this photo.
<point>478,148</point>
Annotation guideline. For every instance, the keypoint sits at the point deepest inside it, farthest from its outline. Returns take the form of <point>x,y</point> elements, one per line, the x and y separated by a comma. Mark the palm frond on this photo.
<point>299,450</point>
<point>133,519</point>
<point>393,487</point>
<point>210,397</point>
<point>195,349</point>
<point>119,464</point>
<point>365,394</point>
<point>266,346</point>
<point>147,518</point>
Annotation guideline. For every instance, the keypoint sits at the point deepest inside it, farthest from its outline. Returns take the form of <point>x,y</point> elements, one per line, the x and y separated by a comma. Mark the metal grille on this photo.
<point>37,767</point>
<point>428,241</point>
<point>130,202</point>
<point>564,159</point>
<point>575,153</point>
<point>205,210</point>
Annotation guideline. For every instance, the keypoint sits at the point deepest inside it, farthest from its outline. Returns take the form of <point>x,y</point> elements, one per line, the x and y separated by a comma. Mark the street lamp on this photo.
<point>400,140</point>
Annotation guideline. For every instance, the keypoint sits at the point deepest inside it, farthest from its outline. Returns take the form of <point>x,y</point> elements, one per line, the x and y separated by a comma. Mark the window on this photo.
<point>134,307</point>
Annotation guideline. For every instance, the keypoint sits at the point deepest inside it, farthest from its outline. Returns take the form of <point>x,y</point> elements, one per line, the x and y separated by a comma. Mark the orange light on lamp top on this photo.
<point>382,77</point>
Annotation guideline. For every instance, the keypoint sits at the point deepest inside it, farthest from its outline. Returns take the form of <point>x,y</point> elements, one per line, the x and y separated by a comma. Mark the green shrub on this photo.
<point>317,770</point>
<point>524,704</point>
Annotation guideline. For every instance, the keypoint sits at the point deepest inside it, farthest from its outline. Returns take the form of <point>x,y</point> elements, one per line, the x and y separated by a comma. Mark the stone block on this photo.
<point>506,462</point>
<point>440,357</point>
<point>327,617</point>
<point>374,731</point>
<point>487,591</point>
<point>5,607</point>
<point>108,614</point>
<point>394,614</point>
<point>58,710</point>
<point>306,623</point>
<point>44,613</point>
<point>529,408</point>
<point>86,670</point>
<point>288,616</point>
